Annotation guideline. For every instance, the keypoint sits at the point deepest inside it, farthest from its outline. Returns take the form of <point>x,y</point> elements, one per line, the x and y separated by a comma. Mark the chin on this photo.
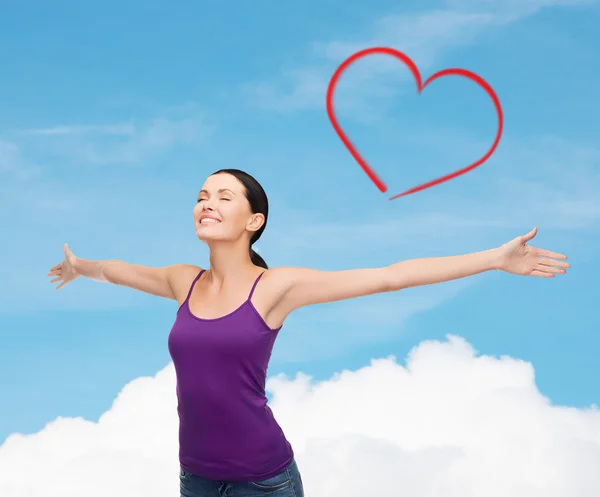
<point>210,235</point>
<point>205,237</point>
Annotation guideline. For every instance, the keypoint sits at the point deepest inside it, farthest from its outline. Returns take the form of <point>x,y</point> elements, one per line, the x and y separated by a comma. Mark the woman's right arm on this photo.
<point>170,282</point>
<point>160,281</point>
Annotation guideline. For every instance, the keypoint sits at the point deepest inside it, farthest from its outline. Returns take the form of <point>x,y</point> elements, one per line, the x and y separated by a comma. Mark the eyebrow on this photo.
<point>221,190</point>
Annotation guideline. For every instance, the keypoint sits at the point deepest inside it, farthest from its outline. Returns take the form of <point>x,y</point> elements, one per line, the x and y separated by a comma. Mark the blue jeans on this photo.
<point>288,483</point>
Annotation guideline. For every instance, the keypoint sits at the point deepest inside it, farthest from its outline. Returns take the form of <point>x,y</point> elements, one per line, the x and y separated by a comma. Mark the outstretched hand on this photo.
<point>65,271</point>
<point>516,257</point>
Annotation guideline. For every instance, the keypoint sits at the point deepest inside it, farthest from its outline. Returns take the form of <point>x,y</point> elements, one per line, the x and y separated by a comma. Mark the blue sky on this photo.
<point>113,115</point>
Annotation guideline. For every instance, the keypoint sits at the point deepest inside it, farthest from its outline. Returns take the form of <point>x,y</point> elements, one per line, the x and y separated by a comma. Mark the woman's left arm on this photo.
<point>302,287</point>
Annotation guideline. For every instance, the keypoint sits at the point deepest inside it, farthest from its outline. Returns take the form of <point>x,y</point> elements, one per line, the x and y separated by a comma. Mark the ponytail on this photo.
<point>257,260</point>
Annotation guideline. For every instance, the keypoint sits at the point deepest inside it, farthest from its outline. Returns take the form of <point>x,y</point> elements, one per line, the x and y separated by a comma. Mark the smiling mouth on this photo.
<point>208,220</point>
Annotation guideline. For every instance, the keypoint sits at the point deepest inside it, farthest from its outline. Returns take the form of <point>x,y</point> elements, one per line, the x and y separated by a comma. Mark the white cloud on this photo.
<point>511,10</point>
<point>423,36</point>
<point>126,129</point>
<point>13,163</point>
<point>448,423</point>
<point>129,142</point>
<point>10,155</point>
<point>384,316</point>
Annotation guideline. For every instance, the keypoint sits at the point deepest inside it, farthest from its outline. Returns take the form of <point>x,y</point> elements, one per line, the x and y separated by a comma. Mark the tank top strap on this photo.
<point>254,286</point>
<point>193,284</point>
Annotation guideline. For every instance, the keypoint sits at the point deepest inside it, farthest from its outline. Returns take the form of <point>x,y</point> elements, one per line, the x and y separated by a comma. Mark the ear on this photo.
<point>255,222</point>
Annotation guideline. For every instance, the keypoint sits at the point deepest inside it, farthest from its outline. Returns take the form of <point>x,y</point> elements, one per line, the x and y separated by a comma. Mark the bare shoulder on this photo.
<point>294,287</point>
<point>181,277</point>
<point>285,289</point>
<point>276,285</point>
<point>278,279</point>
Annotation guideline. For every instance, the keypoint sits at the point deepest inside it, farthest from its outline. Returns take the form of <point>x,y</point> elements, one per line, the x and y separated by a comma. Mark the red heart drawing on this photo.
<point>420,86</point>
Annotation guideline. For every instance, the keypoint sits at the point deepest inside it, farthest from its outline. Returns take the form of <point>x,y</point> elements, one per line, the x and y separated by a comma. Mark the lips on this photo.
<point>204,220</point>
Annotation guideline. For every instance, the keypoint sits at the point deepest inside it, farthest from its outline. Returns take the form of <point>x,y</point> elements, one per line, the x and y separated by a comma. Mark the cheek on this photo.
<point>229,210</point>
<point>236,216</point>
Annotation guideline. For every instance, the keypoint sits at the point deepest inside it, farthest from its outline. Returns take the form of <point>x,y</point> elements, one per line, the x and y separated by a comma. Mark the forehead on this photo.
<point>221,181</point>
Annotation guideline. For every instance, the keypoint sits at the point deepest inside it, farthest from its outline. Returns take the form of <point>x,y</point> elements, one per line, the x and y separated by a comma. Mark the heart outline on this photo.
<point>420,87</point>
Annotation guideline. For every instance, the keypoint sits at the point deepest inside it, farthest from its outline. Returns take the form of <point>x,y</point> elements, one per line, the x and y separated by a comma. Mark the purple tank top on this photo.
<point>226,429</point>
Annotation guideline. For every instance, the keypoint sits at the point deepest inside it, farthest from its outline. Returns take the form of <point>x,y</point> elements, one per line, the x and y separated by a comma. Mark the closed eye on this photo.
<point>203,199</point>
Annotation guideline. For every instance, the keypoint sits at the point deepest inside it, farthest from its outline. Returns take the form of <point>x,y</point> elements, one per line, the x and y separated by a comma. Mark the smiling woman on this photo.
<point>226,325</point>
<point>224,193</point>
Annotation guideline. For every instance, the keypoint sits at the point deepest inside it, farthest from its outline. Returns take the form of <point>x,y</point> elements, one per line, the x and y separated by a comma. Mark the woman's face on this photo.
<point>223,212</point>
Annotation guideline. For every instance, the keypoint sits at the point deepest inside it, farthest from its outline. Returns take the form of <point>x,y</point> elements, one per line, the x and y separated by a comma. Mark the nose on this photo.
<point>207,206</point>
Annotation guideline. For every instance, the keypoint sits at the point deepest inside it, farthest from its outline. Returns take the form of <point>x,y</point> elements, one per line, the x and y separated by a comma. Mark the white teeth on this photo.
<point>208,220</point>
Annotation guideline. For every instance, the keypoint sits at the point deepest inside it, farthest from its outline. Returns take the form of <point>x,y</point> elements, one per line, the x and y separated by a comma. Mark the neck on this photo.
<point>230,261</point>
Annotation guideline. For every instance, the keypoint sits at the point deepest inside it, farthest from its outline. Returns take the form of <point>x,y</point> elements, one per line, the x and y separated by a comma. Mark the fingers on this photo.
<point>529,236</point>
<point>550,254</point>
<point>57,270</point>
<point>550,269</point>
<point>551,263</point>
<point>542,274</point>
